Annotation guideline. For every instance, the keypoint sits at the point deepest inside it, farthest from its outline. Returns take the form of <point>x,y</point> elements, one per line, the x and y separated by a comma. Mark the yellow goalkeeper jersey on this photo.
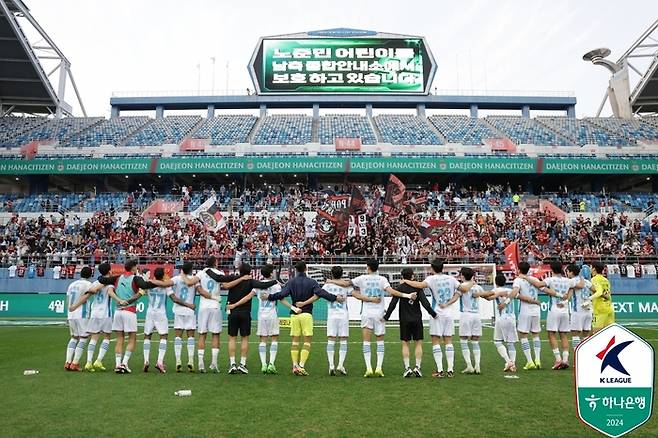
<point>602,298</point>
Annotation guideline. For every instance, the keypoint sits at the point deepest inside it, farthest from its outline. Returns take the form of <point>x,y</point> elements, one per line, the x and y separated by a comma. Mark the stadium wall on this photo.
<point>44,298</point>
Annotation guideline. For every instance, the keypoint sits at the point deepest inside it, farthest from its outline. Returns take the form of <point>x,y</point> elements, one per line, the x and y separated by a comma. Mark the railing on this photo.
<point>230,262</point>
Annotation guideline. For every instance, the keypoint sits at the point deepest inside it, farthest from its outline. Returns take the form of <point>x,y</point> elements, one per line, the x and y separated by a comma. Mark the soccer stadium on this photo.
<point>319,219</point>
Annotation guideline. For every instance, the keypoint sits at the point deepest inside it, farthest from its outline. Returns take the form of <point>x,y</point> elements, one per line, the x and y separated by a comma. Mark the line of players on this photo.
<point>90,315</point>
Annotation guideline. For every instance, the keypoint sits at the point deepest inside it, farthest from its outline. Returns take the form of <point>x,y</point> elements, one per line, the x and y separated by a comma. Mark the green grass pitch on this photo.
<point>57,403</point>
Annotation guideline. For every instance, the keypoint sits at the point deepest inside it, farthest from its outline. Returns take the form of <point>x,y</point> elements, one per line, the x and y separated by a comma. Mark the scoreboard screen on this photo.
<point>342,65</point>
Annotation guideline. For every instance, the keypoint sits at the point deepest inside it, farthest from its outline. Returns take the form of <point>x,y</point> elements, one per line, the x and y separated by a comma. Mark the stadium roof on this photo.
<point>24,86</point>
<point>645,95</point>
<point>642,61</point>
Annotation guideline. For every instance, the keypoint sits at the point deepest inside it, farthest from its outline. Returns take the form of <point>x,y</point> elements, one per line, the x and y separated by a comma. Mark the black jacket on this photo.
<point>301,288</point>
<point>410,310</point>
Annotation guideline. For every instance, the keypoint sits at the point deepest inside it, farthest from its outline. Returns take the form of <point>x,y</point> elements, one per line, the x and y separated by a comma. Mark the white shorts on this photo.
<point>338,327</point>
<point>156,322</point>
<point>470,324</point>
<point>210,320</point>
<point>505,330</point>
<point>268,327</point>
<point>373,323</point>
<point>443,325</point>
<point>184,322</point>
<point>124,321</point>
<point>557,322</point>
<point>78,327</point>
<point>529,323</point>
<point>581,321</point>
<point>99,325</point>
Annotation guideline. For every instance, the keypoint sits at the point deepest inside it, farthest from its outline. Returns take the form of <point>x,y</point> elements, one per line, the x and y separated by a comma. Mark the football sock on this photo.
<point>330,353</point>
<point>91,348</point>
<point>525,346</point>
<point>178,348</point>
<point>366,355</point>
<point>147,350</point>
<point>262,353</point>
<point>342,353</point>
<point>162,349</point>
<point>274,347</point>
<point>380,354</point>
<point>438,356</point>
<point>303,357</point>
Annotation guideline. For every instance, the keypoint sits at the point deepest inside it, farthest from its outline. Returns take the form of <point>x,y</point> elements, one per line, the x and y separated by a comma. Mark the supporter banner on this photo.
<point>475,165</point>
<point>25,305</point>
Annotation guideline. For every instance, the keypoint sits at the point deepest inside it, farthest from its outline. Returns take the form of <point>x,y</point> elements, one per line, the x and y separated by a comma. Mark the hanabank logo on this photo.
<point>609,357</point>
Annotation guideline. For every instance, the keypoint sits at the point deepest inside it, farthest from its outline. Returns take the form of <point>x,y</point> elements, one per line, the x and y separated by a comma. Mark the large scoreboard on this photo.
<point>316,64</point>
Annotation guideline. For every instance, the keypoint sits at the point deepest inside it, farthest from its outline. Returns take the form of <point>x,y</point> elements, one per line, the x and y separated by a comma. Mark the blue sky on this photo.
<point>149,45</point>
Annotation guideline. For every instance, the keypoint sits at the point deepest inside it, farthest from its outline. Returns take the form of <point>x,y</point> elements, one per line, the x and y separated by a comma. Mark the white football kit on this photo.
<point>372,285</point>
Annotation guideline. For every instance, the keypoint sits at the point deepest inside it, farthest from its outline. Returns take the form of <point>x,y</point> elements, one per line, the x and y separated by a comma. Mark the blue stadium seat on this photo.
<point>462,129</point>
<point>168,130</point>
<point>57,129</point>
<point>406,129</point>
<point>227,129</point>
<point>522,130</point>
<point>112,131</point>
<point>285,129</point>
<point>581,132</point>
<point>12,127</point>
<point>351,125</point>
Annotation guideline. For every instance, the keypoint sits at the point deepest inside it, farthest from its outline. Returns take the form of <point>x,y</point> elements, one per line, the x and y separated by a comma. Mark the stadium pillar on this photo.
<point>571,111</point>
<point>211,111</point>
<point>525,111</point>
<point>420,110</point>
<point>159,111</point>
<point>263,111</point>
<point>115,112</point>
<point>474,111</point>
<point>369,110</point>
<point>316,111</point>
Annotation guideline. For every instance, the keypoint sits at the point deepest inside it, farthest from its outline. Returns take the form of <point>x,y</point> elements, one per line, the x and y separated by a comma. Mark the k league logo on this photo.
<point>614,377</point>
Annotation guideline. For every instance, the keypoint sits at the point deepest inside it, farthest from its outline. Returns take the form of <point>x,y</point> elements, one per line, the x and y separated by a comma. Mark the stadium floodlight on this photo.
<point>619,91</point>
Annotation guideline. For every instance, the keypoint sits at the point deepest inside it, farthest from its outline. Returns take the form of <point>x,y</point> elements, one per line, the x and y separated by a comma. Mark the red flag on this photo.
<point>357,202</point>
<point>394,196</point>
<point>512,256</point>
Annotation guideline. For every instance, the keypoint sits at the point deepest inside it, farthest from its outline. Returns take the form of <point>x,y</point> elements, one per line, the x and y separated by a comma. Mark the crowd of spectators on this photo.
<point>457,234</point>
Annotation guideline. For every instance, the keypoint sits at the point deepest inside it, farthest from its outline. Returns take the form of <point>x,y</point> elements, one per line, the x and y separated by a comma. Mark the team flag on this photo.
<point>357,202</point>
<point>209,214</point>
<point>512,256</point>
<point>394,196</point>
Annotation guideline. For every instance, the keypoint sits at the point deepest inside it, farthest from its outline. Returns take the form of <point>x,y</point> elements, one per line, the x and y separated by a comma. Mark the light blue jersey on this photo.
<point>158,300</point>
<point>442,287</point>
<point>468,302</point>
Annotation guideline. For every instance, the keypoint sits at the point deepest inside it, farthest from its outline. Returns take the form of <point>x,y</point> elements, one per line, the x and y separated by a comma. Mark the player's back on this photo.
<point>442,287</point>
<point>157,300</point>
<point>73,293</point>
<point>527,290</point>
<point>213,288</point>
<point>560,285</point>
<point>468,302</point>
<point>184,293</point>
<point>580,295</point>
<point>267,308</point>
<point>337,309</point>
<point>101,306</point>
<point>372,285</point>
<point>508,310</point>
